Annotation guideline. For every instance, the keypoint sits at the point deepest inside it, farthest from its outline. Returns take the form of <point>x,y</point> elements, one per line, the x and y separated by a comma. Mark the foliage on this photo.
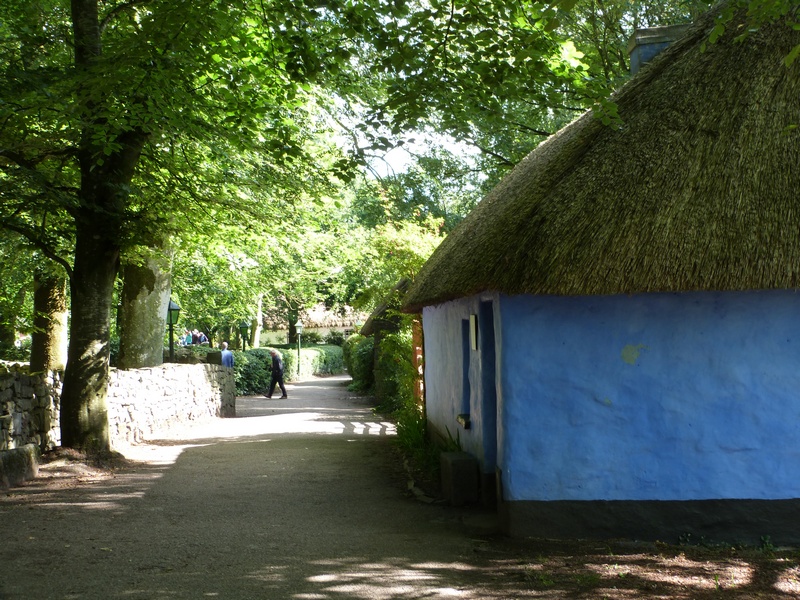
<point>335,338</point>
<point>21,353</point>
<point>322,360</point>
<point>253,367</point>
<point>438,184</point>
<point>305,265</point>
<point>17,264</point>
<point>113,350</point>
<point>395,372</point>
<point>472,70</point>
<point>602,35</point>
<point>312,337</point>
<point>390,252</point>
<point>398,376</point>
<point>413,440</point>
<point>121,124</point>
<point>358,359</point>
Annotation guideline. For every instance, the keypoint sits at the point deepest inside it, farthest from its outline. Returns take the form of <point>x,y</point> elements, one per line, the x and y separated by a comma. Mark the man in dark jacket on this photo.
<point>277,374</point>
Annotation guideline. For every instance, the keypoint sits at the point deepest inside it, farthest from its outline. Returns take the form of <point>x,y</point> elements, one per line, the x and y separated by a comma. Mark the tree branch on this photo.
<point>117,10</point>
<point>500,158</point>
<point>30,163</point>
<point>39,243</point>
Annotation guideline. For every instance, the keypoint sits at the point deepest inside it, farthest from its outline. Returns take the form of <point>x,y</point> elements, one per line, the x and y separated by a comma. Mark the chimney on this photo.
<point>646,43</point>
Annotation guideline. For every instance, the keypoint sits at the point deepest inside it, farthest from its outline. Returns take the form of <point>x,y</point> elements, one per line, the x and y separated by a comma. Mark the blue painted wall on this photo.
<point>649,397</point>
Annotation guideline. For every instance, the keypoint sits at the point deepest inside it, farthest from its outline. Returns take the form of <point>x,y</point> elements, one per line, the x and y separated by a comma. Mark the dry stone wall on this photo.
<point>28,407</point>
<point>143,404</point>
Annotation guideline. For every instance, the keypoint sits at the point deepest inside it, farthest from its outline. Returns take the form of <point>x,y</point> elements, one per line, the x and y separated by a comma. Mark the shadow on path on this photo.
<point>303,499</point>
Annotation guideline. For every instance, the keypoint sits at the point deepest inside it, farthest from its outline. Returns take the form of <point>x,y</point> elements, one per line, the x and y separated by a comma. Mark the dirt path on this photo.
<point>304,499</point>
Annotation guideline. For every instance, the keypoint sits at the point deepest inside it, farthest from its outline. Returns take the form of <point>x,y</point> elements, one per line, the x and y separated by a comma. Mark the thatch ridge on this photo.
<point>698,190</point>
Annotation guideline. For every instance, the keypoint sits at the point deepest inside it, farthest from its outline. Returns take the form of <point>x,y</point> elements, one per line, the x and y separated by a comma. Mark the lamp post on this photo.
<point>173,312</point>
<point>299,329</point>
<point>243,326</point>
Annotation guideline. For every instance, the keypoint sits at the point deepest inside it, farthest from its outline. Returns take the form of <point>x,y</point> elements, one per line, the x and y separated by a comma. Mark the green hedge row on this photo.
<point>358,360</point>
<point>253,367</point>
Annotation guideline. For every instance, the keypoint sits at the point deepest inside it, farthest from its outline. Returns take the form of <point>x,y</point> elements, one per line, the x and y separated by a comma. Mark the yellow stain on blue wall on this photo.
<point>630,353</point>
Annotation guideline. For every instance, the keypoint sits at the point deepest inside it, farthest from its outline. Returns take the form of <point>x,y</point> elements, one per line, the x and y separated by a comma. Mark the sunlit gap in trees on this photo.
<point>399,159</point>
<point>388,154</point>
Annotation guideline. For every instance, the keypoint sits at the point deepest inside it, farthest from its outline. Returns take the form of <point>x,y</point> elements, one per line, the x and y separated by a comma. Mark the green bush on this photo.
<point>395,378</point>
<point>412,438</point>
<point>324,360</point>
<point>394,375</point>
<point>317,360</point>
<point>347,350</point>
<point>335,338</point>
<point>358,360</point>
<point>113,347</point>
<point>253,368</point>
<point>11,353</point>
<point>311,337</point>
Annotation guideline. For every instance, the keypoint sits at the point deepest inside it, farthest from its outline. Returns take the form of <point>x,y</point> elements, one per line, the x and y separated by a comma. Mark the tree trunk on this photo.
<point>145,300</point>
<point>99,221</point>
<point>84,414</point>
<point>49,337</point>
<point>256,323</point>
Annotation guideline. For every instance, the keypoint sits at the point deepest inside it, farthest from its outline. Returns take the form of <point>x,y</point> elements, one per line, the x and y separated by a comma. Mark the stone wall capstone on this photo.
<point>143,404</point>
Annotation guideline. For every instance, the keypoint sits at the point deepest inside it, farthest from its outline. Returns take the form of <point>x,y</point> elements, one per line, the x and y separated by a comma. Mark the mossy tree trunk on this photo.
<point>143,312</point>
<point>49,337</point>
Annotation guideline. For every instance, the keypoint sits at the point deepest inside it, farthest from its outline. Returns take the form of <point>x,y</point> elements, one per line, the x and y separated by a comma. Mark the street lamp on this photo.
<point>299,329</point>
<point>173,312</point>
<point>243,330</point>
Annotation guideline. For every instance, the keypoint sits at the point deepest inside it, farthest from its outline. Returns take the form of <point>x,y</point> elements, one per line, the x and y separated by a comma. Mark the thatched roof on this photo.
<point>698,190</point>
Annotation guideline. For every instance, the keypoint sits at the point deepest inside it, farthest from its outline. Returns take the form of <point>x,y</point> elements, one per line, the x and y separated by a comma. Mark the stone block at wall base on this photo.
<point>459,471</point>
<point>18,465</point>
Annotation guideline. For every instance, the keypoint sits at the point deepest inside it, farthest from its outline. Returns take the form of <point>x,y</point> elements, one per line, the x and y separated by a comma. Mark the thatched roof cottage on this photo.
<point>614,332</point>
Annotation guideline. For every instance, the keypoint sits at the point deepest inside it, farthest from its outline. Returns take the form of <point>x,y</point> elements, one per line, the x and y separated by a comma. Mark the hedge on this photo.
<point>252,367</point>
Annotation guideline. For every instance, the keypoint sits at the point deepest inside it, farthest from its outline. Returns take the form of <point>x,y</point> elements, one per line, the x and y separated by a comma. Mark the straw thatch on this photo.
<point>698,190</point>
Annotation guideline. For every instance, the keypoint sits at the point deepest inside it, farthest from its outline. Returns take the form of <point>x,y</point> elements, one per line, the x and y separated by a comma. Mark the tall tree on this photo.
<point>91,130</point>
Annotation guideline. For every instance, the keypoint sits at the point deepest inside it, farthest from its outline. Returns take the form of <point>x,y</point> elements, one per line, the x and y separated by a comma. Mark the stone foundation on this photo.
<point>715,521</point>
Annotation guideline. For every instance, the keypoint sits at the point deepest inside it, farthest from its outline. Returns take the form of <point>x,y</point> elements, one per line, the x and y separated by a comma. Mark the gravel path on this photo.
<point>304,499</point>
<point>297,498</point>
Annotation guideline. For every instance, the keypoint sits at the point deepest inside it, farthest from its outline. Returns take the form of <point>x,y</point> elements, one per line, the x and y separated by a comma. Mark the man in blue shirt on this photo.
<point>227,356</point>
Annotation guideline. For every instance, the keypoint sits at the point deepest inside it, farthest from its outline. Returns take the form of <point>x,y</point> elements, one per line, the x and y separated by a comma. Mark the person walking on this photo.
<point>277,374</point>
